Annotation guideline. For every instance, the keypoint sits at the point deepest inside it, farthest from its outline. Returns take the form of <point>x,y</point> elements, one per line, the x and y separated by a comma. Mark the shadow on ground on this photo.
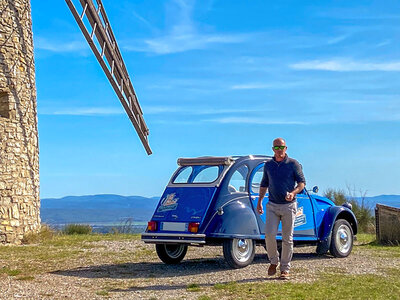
<point>160,270</point>
<point>170,287</point>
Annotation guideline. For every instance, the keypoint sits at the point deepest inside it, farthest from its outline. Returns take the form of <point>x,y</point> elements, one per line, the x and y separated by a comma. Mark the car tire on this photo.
<point>239,253</point>
<point>171,253</point>
<point>342,239</point>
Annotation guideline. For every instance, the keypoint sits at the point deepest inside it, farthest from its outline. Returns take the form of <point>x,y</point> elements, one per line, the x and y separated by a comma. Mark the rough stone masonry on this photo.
<point>19,153</point>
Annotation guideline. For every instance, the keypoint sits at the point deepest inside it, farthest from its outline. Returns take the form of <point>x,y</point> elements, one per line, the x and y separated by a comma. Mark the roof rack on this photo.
<point>206,160</point>
<point>217,160</point>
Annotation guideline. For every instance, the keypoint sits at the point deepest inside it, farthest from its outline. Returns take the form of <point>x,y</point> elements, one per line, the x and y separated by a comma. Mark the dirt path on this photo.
<point>148,278</point>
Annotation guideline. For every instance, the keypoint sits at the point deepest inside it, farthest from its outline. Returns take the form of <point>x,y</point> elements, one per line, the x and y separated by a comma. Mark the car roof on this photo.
<point>220,160</point>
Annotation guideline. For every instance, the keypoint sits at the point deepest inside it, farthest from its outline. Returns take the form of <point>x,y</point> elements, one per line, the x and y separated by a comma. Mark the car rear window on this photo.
<point>183,175</point>
<point>198,174</point>
<point>208,174</point>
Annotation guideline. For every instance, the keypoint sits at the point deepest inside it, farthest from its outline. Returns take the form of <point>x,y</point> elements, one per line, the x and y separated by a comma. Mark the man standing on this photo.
<point>281,174</point>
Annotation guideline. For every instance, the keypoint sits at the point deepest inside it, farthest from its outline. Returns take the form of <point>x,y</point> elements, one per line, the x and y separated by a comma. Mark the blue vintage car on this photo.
<point>213,200</point>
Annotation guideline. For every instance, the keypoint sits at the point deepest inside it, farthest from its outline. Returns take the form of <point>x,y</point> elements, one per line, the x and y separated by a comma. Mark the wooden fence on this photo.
<point>387,224</point>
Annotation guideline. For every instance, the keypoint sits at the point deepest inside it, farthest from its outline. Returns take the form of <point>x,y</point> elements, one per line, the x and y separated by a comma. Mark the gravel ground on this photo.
<point>150,279</point>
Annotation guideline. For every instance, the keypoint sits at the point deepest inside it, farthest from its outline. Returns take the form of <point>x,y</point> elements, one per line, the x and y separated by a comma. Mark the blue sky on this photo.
<point>222,78</point>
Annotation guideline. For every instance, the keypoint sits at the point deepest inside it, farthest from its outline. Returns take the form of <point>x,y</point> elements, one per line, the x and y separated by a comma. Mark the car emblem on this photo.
<point>169,202</point>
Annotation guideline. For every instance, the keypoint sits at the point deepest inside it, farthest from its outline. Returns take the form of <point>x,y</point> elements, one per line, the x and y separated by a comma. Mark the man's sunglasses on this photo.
<point>279,147</point>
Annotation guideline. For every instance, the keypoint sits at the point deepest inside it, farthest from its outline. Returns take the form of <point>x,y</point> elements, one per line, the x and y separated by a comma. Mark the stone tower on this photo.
<point>19,153</point>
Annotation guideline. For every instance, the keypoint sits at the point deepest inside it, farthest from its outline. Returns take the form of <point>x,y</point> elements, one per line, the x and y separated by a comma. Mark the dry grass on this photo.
<point>45,234</point>
<point>120,266</point>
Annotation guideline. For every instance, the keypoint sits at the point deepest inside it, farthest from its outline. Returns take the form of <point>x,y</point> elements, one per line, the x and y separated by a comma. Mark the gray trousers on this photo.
<point>276,213</point>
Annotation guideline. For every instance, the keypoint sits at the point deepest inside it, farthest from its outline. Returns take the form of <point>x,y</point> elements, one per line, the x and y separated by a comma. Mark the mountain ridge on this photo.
<point>104,208</point>
<point>107,208</point>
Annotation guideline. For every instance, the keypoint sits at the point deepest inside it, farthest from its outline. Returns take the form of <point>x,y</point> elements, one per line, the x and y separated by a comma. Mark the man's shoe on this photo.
<point>284,275</point>
<point>272,269</point>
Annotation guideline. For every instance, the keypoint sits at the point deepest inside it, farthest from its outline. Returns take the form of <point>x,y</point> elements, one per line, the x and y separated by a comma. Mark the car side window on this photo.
<point>183,175</point>
<point>237,183</point>
<point>208,174</point>
<point>256,180</point>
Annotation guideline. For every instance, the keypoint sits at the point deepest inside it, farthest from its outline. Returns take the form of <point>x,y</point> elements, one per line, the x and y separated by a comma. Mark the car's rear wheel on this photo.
<point>342,239</point>
<point>171,253</point>
<point>239,253</point>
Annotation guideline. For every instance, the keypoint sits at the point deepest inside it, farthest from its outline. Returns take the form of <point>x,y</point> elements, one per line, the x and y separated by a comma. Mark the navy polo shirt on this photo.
<point>281,177</point>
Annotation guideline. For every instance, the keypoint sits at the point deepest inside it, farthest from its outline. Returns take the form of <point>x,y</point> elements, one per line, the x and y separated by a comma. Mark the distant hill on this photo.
<point>97,209</point>
<point>115,208</point>
<point>390,200</point>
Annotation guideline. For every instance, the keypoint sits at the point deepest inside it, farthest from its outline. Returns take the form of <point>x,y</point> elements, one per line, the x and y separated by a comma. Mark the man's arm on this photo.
<point>261,195</point>
<point>300,179</point>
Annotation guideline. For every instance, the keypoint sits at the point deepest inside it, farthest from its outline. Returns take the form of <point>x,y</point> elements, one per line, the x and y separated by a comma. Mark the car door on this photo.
<point>254,188</point>
<point>304,223</point>
<point>304,226</point>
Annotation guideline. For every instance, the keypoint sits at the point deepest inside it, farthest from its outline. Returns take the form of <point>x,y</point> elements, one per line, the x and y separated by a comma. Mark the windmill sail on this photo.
<point>101,40</point>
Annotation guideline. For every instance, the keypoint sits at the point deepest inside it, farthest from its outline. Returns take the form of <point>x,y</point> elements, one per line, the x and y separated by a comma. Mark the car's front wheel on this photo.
<point>342,239</point>
<point>239,253</point>
<point>171,253</point>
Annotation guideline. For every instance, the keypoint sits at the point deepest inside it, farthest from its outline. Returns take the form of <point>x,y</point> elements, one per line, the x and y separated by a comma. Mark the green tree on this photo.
<point>363,213</point>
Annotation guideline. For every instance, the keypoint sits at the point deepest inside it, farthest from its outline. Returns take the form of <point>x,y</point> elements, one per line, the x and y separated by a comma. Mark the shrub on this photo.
<point>45,233</point>
<point>77,229</point>
<point>125,227</point>
<point>363,213</point>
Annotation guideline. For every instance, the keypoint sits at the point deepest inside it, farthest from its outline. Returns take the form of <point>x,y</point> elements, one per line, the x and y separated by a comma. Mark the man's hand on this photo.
<point>260,208</point>
<point>290,196</point>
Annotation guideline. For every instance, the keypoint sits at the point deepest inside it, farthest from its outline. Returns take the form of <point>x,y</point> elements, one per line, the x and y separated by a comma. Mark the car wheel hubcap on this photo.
<point>174,251</point>
<point>343,238</point>
<point>242,249</point>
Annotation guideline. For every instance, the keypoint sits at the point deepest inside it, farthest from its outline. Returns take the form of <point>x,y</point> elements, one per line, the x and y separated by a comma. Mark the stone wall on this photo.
<point>19,154</point>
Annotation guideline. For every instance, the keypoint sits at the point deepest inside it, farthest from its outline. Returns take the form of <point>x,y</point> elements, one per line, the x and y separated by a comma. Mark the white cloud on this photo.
<point>271,85</point>
<point>259,121</point>
<point>345,66</point>
<point>384,43</point>
<point>90,111</point>
<point>338,39</point>
<point>58,46</point>
<point>155,110</point>
<point>182,34</point>
<point>357,102</point>
<point>143,20</point>
<point>355,13</point>
<point>195,110</point>
<point>252,86</point>
<point>147,110</point>
<point>174,43</point>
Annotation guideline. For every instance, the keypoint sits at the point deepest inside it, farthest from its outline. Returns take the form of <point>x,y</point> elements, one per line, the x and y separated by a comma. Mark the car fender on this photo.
<point>325,230</point>
<point>235,219</point>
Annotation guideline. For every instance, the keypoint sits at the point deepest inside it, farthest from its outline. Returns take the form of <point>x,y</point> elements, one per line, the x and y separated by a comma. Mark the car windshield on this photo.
<point>198,174</point>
